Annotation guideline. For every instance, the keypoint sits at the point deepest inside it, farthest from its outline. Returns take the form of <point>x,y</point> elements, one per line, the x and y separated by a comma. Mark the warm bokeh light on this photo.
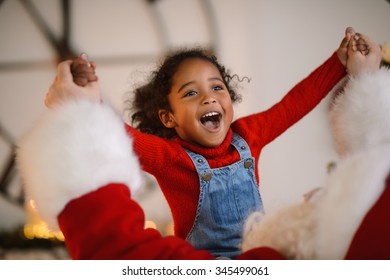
<point>36,227</point>
<point>41,230</point>
<point>150,224</point>
<point>169,229</point>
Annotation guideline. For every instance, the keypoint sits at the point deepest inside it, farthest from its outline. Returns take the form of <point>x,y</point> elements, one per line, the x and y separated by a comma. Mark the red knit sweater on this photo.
<point>174,170</point>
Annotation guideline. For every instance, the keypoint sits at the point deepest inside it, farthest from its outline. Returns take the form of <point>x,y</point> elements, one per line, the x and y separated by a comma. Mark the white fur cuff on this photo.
<point>74,149</point>
<point>360,116</point>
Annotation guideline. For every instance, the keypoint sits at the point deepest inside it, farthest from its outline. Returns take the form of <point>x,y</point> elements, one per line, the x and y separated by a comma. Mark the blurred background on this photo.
<point>276,43</point>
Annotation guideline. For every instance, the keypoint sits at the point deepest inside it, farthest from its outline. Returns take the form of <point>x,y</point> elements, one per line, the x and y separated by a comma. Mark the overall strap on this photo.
<point>241,146</point>
<point>199,161</point>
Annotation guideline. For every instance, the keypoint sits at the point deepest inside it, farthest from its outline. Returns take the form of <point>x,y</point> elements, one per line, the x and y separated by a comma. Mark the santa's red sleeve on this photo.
<point>371,240</point>
<point>108,224</point>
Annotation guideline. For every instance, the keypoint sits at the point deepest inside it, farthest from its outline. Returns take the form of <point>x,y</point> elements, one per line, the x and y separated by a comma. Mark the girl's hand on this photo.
<point>64,88</point>
<point>366,60</point>
<point>83,71</point>
<point>342,51</point>
<point>351,35</point>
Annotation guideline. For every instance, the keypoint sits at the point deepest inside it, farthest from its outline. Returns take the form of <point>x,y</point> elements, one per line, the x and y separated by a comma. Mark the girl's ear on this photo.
<point>166,118</point>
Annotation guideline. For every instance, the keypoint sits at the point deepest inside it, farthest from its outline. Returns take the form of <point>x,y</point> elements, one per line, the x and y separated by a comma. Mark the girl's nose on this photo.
<point>208,99</point>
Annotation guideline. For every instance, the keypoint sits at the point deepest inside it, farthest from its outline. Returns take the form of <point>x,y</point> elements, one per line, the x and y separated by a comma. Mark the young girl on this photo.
<point>204,163</point>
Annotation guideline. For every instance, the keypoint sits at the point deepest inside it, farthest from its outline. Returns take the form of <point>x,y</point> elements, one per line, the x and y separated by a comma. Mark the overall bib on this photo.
<point>227,196</point>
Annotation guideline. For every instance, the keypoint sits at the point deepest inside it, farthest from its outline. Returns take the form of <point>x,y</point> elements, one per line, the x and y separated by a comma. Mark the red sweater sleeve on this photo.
<point>264,127</point>
<point>108,224</point>
<point>153,151</point>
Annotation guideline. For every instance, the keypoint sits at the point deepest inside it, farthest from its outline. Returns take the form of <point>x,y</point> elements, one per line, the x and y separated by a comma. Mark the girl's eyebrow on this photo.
<point>183,86</point>
<point>192,82</point>
<point>216,79</point>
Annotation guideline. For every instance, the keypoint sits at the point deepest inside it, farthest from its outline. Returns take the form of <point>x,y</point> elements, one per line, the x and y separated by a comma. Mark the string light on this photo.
<point>150,224</point>
<point>36,227</point>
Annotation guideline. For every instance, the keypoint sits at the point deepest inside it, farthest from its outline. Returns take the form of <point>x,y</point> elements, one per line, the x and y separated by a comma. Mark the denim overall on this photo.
<point>227,196</point>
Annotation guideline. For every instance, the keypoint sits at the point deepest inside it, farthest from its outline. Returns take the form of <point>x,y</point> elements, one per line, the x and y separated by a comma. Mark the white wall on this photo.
<point>276,43</point>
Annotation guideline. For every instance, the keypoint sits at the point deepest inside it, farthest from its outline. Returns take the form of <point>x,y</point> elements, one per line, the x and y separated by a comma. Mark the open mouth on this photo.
<point>211,120</point>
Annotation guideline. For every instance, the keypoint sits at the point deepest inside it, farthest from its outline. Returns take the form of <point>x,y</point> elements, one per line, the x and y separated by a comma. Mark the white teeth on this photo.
<point>210,114</point>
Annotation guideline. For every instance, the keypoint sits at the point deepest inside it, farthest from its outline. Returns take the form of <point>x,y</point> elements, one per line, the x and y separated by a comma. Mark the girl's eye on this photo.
<point>217,88</point>
<point>190,93</point>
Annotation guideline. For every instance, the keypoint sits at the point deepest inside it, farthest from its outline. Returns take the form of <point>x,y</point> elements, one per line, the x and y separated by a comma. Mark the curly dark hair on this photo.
<point>153,96</point>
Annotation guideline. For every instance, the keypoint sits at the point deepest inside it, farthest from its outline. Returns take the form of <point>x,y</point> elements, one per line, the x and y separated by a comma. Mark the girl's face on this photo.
<point>202,109</point>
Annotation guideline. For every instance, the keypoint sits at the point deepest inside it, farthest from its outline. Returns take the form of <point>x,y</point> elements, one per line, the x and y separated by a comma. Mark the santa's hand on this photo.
<point>63,88</point>
<point>363,61</point>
